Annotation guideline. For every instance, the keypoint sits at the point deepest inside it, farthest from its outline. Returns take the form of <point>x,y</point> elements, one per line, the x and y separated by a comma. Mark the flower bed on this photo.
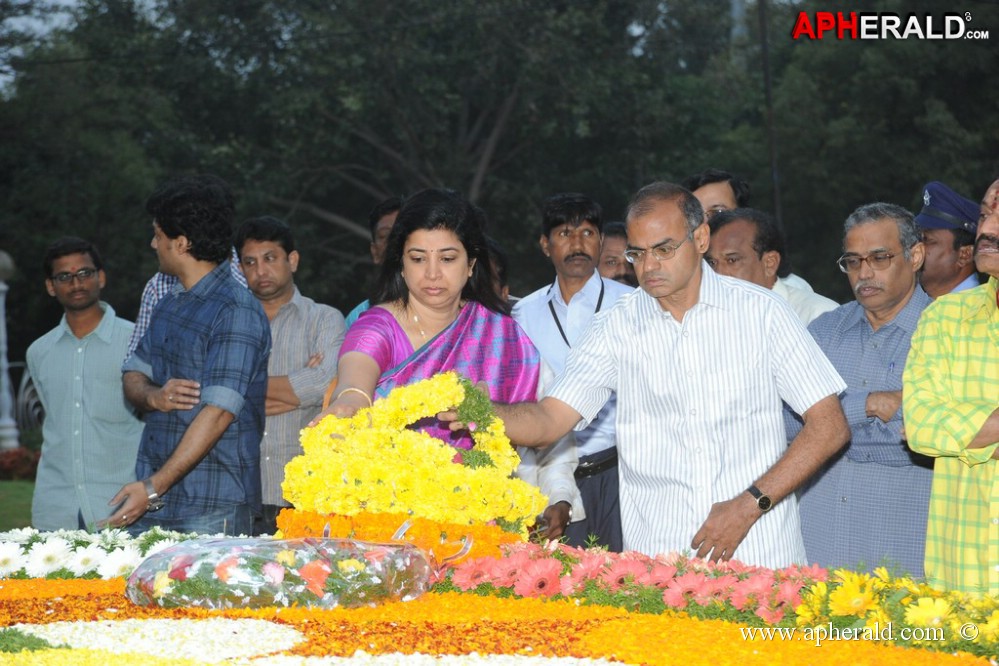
<point>550,601</point>
<point>447,623</point>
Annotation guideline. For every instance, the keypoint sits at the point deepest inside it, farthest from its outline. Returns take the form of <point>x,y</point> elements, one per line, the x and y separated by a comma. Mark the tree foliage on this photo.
<point>315,111</point>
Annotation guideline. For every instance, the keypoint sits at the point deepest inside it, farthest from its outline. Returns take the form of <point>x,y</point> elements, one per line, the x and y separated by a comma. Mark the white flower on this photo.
<point>86,559</point>
<point>48,556</point>
<point>160,545</point>
<point>114,538</point>
<point>120,563</point>
<point>20,535</point>
<point>12,558</point>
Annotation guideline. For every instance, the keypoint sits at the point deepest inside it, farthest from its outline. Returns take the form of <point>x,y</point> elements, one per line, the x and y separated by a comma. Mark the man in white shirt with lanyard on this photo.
<point>700,364</point>
<point>555,317</point>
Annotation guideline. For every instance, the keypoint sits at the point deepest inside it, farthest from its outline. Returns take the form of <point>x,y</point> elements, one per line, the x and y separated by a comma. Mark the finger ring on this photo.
<point>170,398</point>
<point>124,518</point>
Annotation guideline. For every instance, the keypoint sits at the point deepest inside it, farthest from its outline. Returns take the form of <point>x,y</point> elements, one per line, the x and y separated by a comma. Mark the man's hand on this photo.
<point>883,404</point>
<point>557,518</point>
<point>133,500</point>
<point>727,525</point>
<point>177,394</point>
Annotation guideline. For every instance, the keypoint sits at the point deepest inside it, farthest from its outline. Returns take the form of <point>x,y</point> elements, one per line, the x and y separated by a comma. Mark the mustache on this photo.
<point>986,240</point>
<point>867,283</point>
<point>579,254</point>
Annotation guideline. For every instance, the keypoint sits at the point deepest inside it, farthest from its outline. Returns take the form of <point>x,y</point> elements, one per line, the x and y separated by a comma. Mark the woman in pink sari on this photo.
<point>436,311</point>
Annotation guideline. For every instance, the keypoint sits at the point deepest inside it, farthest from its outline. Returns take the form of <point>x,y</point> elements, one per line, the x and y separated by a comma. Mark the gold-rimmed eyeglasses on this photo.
<point>661,252</point>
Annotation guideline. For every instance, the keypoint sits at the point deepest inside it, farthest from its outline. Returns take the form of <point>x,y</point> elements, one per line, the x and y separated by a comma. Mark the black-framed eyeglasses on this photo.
<point>661,252</point>
<point>82,275</point>
<point>851,263</point>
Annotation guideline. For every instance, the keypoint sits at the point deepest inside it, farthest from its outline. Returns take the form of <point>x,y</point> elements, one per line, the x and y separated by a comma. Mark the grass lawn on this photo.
<point>15,504</point>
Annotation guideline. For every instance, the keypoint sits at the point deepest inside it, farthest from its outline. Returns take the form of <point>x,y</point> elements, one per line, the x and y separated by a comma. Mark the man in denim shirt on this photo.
<point>200,375</point>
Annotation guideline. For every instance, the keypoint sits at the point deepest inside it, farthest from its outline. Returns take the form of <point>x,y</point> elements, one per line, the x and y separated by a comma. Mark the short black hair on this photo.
<point>383,208</point>
<point>202,209</point>
<point>740,188</point>
<point>645,200</point>
<point>616,230</point>
<point>264,228</point>
<point>66,246</point>
<point>570,208</point>
<point>769,237</point>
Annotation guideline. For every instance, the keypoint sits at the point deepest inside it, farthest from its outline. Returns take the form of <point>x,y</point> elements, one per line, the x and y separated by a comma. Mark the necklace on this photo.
<point>423,333</point>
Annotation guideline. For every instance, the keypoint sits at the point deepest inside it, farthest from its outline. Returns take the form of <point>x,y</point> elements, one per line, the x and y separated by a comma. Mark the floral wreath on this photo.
<point>374,463</point>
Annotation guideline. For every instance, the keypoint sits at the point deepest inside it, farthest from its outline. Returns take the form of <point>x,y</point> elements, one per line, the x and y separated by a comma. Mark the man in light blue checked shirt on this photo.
<point>90,433</point>
<point>869,506</point>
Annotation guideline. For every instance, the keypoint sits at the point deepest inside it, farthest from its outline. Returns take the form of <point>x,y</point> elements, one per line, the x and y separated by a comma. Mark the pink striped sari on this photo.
<point>482,345</point>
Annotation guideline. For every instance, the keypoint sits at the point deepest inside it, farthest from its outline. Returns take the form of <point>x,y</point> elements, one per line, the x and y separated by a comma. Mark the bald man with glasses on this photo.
<point>700,364</point>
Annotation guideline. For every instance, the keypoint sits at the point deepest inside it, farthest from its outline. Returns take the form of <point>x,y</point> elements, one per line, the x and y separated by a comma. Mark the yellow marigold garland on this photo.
<point>372,463</point>
<point>440,539</point>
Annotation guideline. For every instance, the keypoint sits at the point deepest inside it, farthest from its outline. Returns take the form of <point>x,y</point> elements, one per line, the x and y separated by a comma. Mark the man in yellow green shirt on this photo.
<point>950,400</point>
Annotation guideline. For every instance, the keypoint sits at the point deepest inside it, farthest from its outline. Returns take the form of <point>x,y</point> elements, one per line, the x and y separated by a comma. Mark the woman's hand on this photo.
<point>345,406</point>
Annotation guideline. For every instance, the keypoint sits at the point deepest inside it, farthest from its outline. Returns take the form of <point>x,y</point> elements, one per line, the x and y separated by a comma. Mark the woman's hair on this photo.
<point>430,210</point>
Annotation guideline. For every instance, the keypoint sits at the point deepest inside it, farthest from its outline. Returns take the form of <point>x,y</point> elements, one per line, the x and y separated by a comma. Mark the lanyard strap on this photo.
<point>551,308</point>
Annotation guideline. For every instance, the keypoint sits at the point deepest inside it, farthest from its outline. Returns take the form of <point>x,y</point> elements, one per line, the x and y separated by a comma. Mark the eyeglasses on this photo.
<point>82,275</point>
<point>660,252</point>
<point>851,263</point>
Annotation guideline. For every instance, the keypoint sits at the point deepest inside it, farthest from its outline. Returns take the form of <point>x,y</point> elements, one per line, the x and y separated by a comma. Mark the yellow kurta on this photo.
<point>951,386</point>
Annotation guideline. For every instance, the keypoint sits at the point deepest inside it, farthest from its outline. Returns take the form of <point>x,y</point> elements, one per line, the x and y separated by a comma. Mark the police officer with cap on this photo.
<point>948,222</point>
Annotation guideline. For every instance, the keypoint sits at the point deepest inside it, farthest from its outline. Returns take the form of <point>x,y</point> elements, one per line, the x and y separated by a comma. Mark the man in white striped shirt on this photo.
<point>708,360</point>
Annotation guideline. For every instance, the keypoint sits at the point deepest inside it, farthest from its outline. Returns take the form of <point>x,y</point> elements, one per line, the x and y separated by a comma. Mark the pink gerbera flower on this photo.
<point>659,575</point>
<point>789,592</point>
<point>539,578</point>
<point>504,570</point>
<point>770,615</point>
<point>678,590</point>
<point>715,589</point>
<point>469,575</point>
<point>622,571</point>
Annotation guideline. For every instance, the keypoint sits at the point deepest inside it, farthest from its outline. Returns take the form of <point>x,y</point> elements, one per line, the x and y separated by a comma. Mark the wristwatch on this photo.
<point>762,501</point>
<point>155,501</point>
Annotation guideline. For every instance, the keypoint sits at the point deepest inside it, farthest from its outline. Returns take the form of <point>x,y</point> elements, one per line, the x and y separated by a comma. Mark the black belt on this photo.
<point>587,469</point>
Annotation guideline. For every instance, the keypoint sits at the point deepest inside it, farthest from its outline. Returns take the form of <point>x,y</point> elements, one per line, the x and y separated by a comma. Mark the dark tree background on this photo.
<point>315,111</point>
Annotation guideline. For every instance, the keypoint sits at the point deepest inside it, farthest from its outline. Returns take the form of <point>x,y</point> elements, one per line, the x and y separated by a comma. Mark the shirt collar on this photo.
<point>906,319</point>
<point>297,301</point>
<point>711,293</point>
<point>210,282</point>
<point>588,294</point>
<point>712,287</point>
<point>105,329</point>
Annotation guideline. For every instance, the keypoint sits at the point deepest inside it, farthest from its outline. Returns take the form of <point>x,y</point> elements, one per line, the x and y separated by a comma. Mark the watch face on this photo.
<point>155,504</point>
<point>764,503</point>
